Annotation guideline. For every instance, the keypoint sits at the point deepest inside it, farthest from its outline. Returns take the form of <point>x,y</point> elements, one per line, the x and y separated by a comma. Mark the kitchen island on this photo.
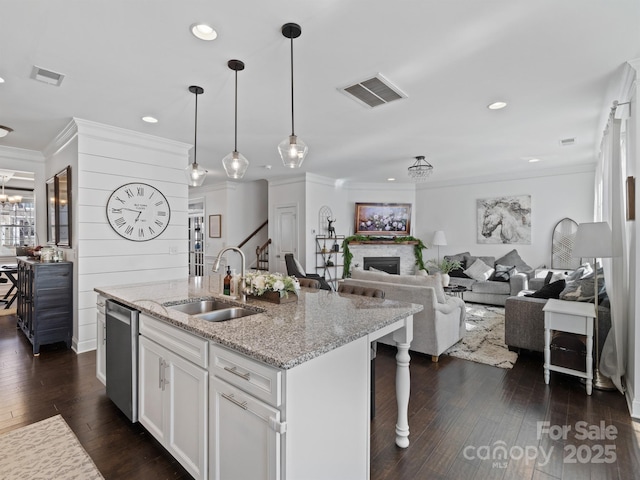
<point>301,369</point>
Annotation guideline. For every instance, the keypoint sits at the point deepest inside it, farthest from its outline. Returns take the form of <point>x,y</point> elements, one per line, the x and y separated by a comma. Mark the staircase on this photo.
<point>262,253</point>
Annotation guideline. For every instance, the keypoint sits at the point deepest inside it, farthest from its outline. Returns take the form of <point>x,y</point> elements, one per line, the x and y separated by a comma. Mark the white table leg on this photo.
<point>402,394</point>
<point>589,381</point>
<point>547,354</point>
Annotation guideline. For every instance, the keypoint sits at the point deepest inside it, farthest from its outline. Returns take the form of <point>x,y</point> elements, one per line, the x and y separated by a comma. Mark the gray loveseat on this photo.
<point>491,291</point>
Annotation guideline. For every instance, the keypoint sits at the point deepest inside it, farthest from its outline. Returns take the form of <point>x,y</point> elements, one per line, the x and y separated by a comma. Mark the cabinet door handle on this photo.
<point>160,372</point>
<point>229,397</point>
<point>237,373</point>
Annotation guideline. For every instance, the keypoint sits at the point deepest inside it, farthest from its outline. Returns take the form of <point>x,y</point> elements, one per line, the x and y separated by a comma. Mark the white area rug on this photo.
<point>484,340</point>
<point>45,450</point>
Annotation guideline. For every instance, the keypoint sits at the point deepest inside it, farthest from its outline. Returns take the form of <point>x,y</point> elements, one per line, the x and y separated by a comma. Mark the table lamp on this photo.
<point>593,240</point>
<point>439,239</point>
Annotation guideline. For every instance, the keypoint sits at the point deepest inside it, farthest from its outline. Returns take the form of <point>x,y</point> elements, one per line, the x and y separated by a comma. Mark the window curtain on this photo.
<point>610,207</point>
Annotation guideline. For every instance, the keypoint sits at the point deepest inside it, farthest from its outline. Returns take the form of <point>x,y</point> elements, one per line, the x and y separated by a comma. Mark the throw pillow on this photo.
<point>460,257</point>
<point>547,279</point>
<point>582,290</point>
<point>513,258</point>
<point>550,290</point>
<point>503,273</point>
<point>371,269</point>
<point>299,267</point>
<point>558,276</point>
<point>479,271</point>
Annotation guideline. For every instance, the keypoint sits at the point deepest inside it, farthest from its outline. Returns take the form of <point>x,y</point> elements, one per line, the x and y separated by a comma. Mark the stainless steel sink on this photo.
<point>196,308</point>
<point>225,314</point>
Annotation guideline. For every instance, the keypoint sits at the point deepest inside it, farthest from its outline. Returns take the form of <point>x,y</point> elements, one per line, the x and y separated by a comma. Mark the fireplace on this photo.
<point>386,264</point>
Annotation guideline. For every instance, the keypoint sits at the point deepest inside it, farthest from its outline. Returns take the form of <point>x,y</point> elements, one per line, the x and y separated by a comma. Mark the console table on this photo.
<point>570,317</point>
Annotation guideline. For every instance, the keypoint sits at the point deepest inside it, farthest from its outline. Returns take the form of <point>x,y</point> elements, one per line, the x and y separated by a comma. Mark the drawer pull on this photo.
<point>235,372</point>
<point>229,397</point>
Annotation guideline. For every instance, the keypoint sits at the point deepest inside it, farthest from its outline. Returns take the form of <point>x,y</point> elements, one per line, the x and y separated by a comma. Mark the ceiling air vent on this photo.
<point>374,91</point>
<point>565,142</point>
<point>46,76</point>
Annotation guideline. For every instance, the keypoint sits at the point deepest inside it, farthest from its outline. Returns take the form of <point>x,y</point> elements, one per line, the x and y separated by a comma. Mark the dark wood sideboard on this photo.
<point>45,302</point>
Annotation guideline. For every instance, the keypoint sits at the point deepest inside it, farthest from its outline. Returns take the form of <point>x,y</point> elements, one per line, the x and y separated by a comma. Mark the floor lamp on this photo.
<point>439,239</point>
<point>593,240</point>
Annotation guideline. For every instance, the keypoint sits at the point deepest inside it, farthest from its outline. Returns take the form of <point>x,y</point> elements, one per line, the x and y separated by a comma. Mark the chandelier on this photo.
<point>420,170</point>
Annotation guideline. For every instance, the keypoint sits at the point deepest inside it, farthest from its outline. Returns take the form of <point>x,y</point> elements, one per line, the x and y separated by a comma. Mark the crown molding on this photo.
<point>12,153</point>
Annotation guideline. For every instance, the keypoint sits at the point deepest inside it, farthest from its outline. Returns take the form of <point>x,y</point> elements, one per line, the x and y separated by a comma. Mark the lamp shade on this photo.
<point>439,238</point>
<point>593,240</point>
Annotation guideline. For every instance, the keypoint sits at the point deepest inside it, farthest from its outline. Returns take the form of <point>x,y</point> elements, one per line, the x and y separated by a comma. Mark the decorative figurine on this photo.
<point>331,228</point>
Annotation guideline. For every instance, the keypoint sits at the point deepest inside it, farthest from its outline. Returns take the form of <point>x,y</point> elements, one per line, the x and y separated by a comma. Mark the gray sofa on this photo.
<point>438,326</point>
<point>490,291</point>
<point>524,323</point>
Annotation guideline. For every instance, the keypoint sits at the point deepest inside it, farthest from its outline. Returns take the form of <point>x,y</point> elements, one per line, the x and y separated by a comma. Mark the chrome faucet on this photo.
<point>242,286</point>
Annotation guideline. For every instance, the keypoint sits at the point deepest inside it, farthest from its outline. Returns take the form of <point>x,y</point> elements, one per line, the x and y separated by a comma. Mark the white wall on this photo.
<point>109,157</point>
<point>288,192</point>
<point>452,209</point>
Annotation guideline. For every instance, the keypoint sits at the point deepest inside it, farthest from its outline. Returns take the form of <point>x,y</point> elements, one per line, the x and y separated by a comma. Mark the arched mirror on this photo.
<point>564,236</point>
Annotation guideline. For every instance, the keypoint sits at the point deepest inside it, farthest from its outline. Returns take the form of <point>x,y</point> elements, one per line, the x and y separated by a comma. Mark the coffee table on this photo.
<point>455,290</point>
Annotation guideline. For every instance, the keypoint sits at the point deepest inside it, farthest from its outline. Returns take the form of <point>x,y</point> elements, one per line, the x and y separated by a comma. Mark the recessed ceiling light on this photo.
<point>4,131</point>
<point>203,31</point>
<point>534,160</point>
<point>149,119</point>
<point>497,105</point>
<point>391,179</point>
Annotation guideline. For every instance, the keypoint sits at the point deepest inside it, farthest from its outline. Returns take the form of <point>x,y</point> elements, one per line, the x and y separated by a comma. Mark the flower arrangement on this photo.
<point>260,282</point>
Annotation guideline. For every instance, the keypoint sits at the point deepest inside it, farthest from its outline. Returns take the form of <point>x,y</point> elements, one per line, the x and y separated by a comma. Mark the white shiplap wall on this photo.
<point>109,157</point>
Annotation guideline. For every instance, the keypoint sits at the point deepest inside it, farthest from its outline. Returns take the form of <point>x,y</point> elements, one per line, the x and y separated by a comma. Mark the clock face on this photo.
<point>138,212</point>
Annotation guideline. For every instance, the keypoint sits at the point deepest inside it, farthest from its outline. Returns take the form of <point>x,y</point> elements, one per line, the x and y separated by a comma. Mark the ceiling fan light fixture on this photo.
<point>420,170</point>
<point>194,173</point>
<point>292,149</point>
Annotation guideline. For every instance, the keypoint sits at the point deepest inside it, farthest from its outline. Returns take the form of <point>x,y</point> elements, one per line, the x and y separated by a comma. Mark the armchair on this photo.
<point>295,269</point>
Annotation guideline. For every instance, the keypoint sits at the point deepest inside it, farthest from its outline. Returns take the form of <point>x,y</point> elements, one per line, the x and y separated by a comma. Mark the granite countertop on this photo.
<point>281,335</point>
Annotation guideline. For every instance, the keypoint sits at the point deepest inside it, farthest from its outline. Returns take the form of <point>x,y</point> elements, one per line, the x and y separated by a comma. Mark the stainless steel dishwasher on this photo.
<point>122,357</point>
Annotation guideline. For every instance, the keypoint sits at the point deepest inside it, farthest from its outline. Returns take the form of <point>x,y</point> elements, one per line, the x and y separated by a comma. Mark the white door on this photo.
<point>188,406</point>
<point>286,235</point>
<point>151,390</point>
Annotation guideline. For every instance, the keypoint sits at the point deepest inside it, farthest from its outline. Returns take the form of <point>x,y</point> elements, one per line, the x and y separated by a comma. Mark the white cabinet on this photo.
<point>101,341</point>
<point>310,421</point>
<point>173,392</point>
<point>245,435</point>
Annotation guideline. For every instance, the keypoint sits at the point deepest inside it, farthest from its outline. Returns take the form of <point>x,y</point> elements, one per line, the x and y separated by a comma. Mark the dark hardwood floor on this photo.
<point>460,413</point>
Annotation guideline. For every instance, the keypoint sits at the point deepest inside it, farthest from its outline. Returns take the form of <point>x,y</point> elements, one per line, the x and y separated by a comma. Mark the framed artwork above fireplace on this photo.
<point>393,219</point>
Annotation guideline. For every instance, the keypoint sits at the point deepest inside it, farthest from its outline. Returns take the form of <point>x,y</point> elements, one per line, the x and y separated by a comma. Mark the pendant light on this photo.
<point>292,149</point>
<point>235,164</point>
<point>195,173</point>
<point>3,197</point>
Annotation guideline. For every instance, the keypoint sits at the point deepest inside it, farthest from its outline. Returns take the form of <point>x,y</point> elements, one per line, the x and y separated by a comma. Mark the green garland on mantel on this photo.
<point>348,256</point>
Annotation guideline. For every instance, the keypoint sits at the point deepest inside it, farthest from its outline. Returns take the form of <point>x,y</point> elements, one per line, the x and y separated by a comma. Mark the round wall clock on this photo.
<point>138,212</point>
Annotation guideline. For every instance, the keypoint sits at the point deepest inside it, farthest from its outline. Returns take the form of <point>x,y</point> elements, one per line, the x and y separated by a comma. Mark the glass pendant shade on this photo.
<point>235,164</point>
<point>293,151</point>
<point>195,174</point>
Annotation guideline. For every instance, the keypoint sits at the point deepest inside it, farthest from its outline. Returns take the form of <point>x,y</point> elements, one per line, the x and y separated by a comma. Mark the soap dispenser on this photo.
<point>227,282</point>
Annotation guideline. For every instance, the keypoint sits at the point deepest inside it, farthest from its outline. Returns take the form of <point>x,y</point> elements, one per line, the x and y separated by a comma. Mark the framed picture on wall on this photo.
<point>215,226</point>
<point>383,219</point>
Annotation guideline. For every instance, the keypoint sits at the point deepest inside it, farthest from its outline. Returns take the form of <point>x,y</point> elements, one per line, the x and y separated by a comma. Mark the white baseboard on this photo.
<point>633,404</point>
<point>81,347</point>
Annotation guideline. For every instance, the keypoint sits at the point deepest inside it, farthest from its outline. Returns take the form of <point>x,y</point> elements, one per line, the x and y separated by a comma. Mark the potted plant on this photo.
<point>444,266</point>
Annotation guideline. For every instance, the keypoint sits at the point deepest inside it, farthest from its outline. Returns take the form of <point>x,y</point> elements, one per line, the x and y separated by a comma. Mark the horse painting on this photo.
<point>505,220</point>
